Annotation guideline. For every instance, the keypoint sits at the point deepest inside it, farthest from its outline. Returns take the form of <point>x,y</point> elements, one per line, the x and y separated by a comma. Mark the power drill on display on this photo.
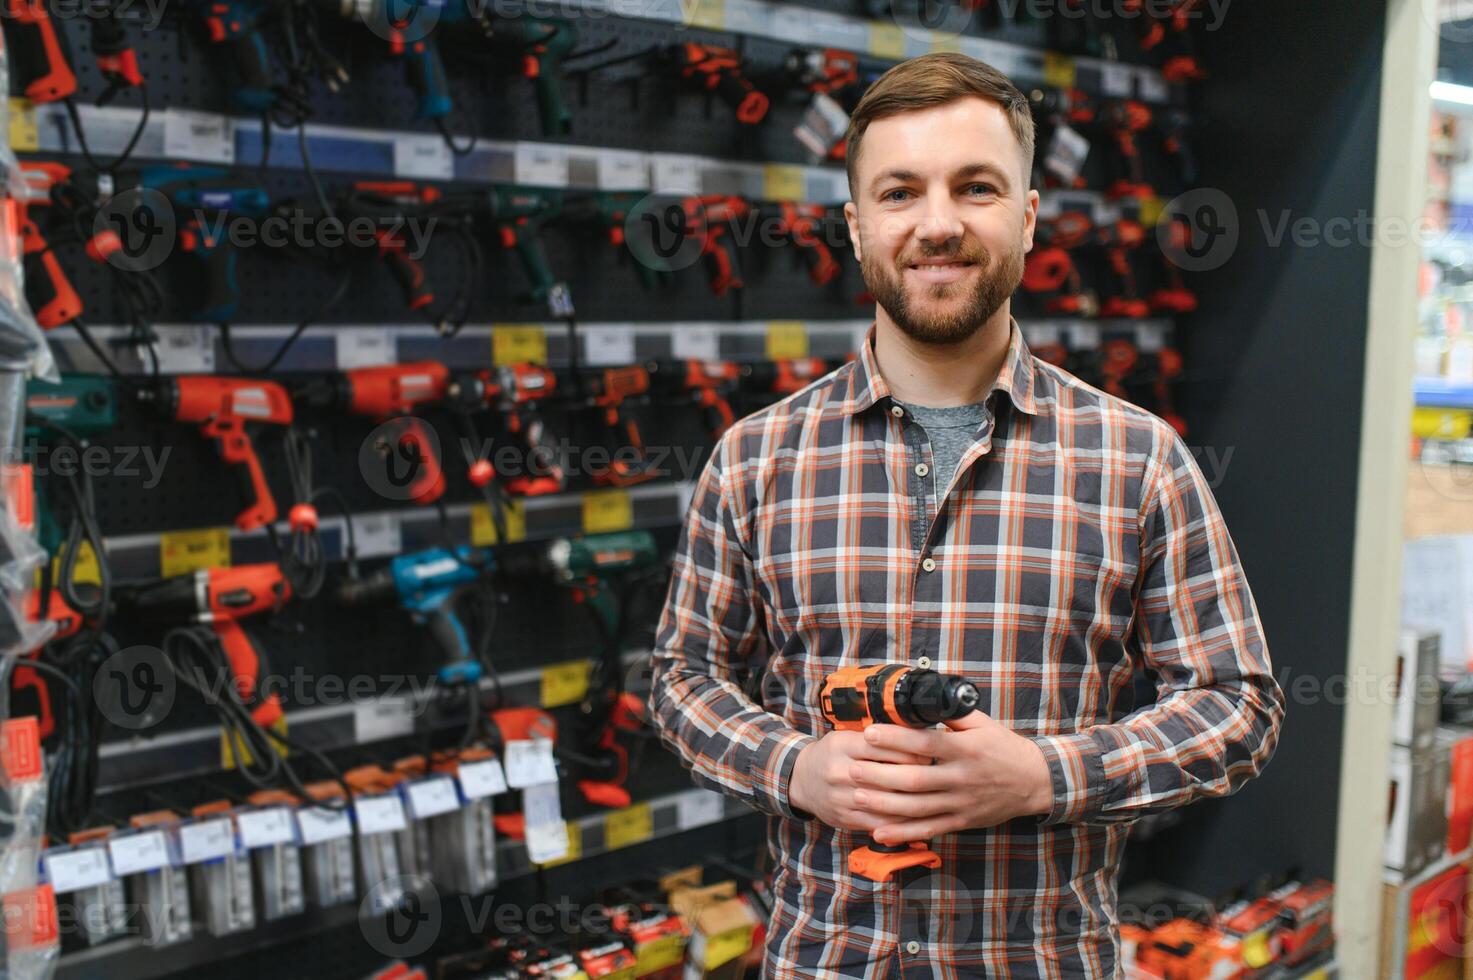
<point>598,567</point>
<point>222,408</point>
<point>854,698</point>
<point>428,584</point>
<point>389,394</point>
<point>519,214</point>
<point>205,198</point>
<point>220,598</point>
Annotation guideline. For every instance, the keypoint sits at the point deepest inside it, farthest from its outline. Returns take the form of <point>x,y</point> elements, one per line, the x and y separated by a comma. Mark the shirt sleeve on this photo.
<point>708,634</point>
<point>1216,720</point>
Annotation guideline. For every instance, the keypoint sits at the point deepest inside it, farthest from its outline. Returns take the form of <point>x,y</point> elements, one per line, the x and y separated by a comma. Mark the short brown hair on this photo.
<point>933,80</point>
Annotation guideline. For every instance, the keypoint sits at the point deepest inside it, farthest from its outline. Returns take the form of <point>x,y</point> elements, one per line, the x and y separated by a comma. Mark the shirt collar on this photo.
<point>867,386</point>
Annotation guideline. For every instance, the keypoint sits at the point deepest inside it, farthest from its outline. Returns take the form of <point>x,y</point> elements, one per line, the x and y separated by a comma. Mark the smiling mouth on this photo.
<point>940,272</point>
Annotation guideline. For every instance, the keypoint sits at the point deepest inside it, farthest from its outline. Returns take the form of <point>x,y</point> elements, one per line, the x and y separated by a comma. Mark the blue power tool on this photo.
<point>429,584</point>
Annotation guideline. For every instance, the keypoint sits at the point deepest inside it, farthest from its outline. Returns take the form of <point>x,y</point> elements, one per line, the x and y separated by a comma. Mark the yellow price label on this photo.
<point>24,133</point>
<point>182,552</point>
<point>783,182</point>
<point>1058,70</point>
<point>1441,423</point>
<point>704,13</point>
<point>786,339</point>
<point>483,529</point>
<point>727,946</point>
<point>514,343</point>
<point>607,510</point>
<point>631,825</point>
<point>1151,210</point>
<point>575,847</point>
<point>86,570</point>
<point>658,954</point>
<point>886,41</point>
<point>565,683</point>
<point>234,751</point>
<point>949,43</point>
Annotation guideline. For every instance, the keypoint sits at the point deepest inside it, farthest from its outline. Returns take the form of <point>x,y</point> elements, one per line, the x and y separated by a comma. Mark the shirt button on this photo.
<point>897,411</point>
<point>912,947</point>
<point>924,663</point>
<point>922,469</point>
<point>929,564</point>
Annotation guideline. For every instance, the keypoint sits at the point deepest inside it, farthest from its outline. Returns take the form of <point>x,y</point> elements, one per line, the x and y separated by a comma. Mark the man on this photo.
<point>950,502</point>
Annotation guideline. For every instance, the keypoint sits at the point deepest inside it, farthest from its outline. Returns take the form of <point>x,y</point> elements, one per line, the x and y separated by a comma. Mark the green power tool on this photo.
<point>78,406</point>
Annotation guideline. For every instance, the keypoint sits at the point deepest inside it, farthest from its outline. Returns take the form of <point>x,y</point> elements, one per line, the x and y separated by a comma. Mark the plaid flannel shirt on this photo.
<point>1077,542</point>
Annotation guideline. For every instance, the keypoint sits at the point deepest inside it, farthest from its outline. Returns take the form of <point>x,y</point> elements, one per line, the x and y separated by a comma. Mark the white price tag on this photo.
<point>423,157</point>
<point>136,853</point>
<point>376,534</point>
<point>790,22</point>
<point>608,345</point>
<point>185,350</point>
<point>836,30</point>
<point>697,808</point>
<point>318,824</point>
<point>1152,86</point>
<point>672,173</point>
<point>72,871</point>
<point>547,842</point>
<point>206,840</point>
<point>387,718</point>
<point>700,342</point>
<point>622,170</point>
<point>1039,334</point>
<point>1150,338</point>
<point>1066,154</point>
<point>481,779</point>
<point>265,828</point>
<point>204,136</point>
<point>746,17</point>
<point>1116,80</point>
<point>380,814</point>
<point>432,797</point>
<point>529,762</point>
<point>363,347</point>
<point>541,165</point>
<point>1084,336</point>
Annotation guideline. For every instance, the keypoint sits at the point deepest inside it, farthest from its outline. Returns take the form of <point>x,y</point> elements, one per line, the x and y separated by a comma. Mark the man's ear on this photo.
<point>1030,220</point>
<point>851,216</point>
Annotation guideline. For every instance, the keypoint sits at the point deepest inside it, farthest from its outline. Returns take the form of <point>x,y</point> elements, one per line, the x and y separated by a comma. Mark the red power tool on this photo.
<point>718,70</point>
<point>222,408</point>
<point>514,390</point>
<point>220,598</point>
<point>854,698</point>
<point>387,393</point>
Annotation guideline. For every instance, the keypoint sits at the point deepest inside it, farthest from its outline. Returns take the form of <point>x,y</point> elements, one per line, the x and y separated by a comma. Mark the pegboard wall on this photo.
<point>623,106</point>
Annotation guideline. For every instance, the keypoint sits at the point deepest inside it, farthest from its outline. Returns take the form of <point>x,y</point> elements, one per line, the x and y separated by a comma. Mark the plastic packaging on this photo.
<point>32,936</point>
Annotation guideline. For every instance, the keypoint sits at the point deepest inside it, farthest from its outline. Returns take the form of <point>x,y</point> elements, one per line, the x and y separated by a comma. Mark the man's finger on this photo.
<point>922,742</point>
<point>974,720</point>
<point>905,806</point>
<point>874,753</point>
<point>902,779</point>
<point>922,829</point>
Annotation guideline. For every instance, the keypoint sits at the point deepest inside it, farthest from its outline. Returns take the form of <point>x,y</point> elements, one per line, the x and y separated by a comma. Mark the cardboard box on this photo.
<point>722,927</point>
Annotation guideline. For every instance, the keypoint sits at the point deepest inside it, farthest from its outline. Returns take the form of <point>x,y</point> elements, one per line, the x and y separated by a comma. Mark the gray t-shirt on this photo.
<point>951,431</point>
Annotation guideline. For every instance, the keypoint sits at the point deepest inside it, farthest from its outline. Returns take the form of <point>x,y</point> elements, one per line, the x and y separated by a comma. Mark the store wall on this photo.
<point>1277,353</point>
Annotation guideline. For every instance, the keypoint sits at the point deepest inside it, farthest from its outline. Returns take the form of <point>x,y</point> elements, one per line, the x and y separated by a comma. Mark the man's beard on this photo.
<point>995,283</point>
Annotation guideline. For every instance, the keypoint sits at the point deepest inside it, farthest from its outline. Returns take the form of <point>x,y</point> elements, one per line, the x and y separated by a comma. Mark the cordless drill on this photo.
<point>854,698</point>
<point>519,214</point>
<point>53,298</point>
<point>428,584</point>
<point>541,44</point>
<point>220,598</point>
<point>222,408</point>
<point>205,198</point>
<point>717,70</point>
<point>390,392</point>
<point>608,390</point>
<point>514,390</point>
<point>596,566</point>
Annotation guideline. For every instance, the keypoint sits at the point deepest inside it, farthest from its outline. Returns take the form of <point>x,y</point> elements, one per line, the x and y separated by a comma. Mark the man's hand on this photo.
<point>985,774</point>
<point>823,779</point>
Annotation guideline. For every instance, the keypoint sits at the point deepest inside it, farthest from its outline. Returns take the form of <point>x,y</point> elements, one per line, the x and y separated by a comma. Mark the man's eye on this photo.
<point>981,189</point>
<point>891,195</point>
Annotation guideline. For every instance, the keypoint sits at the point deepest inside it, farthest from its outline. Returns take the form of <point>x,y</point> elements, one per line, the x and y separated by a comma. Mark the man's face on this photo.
<point>942,217</point>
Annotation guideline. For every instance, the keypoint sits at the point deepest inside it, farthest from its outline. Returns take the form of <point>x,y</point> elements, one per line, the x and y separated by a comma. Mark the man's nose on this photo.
<point>940,220</point>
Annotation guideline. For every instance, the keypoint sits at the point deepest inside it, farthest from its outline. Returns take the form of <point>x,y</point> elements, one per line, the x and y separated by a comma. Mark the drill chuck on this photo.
<point>894,694</point>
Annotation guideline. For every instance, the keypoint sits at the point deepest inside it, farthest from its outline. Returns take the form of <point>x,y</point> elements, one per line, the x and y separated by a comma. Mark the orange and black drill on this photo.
<point>222,408</point>
<point>854,698</point>
<point>220,598</point>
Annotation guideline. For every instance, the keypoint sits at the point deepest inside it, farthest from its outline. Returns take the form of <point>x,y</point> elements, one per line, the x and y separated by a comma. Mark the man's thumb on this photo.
<point>975,719</point>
